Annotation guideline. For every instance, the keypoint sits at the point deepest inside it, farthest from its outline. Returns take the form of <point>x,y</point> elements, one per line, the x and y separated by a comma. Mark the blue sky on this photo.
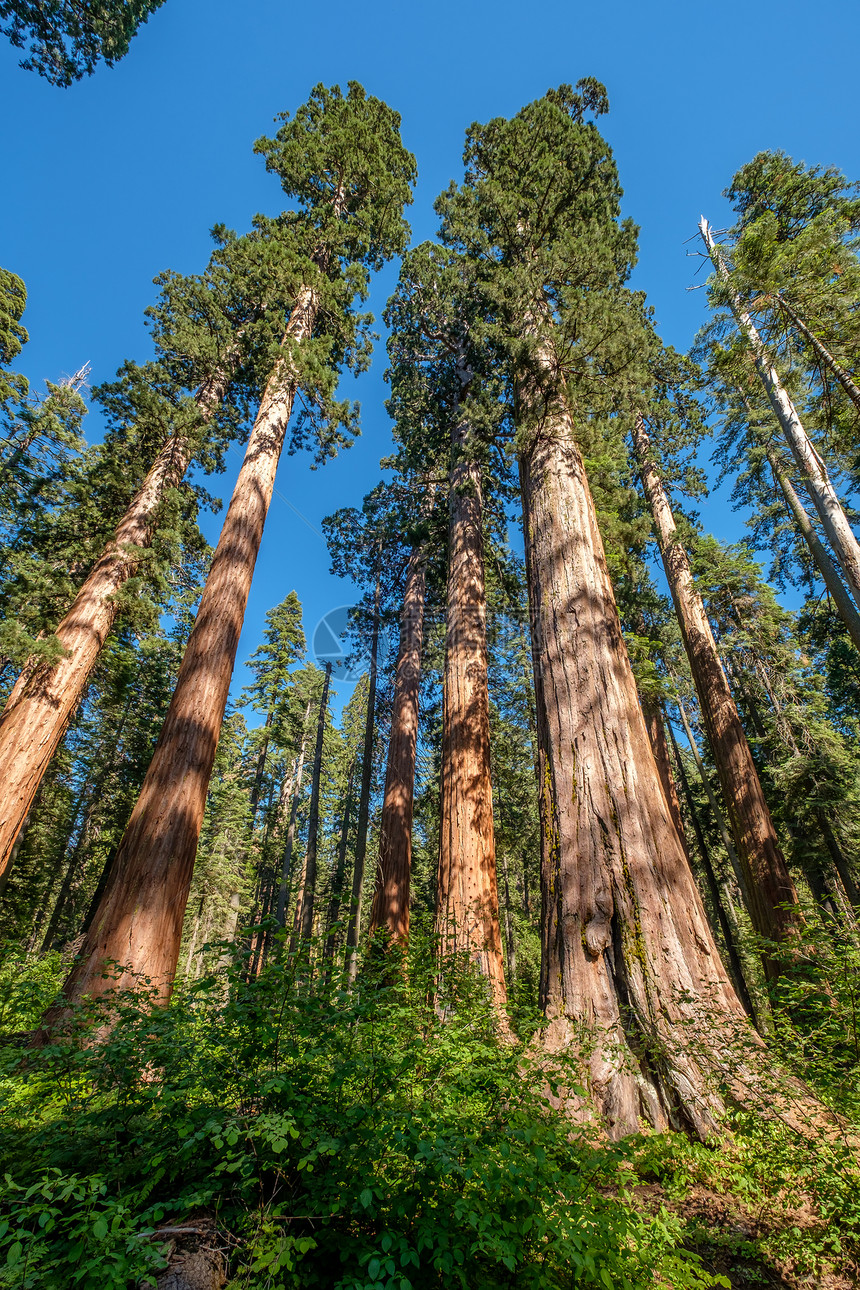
<point>121,176</point>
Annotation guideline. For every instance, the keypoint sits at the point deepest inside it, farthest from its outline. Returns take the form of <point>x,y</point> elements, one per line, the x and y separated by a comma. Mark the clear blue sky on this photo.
<point>121,176</point>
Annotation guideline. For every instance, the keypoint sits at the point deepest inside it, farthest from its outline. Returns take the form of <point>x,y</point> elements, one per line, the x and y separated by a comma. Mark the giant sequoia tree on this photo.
<point>628,956</point>
<point>208,330</point>
<point>340,158</point>
<point>439,357</point>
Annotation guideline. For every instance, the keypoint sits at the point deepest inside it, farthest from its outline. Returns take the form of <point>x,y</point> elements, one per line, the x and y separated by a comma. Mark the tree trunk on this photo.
<point>44,697</point>
<point>816,479</point>
<point>339,871</point>
<point>354,926</point>
<point>724,912</point>
<point>283,891</point>
<point>139,922</point>
<point>845,606</point>
<point>629,967</point>
<point>390,907</point>
<point>467,897</point>
<point>261,766</point>
<point>309,887</point>
<point>822,353</point>
<point>657,739</point>
<point>714,805</point>
<point>773,901</point>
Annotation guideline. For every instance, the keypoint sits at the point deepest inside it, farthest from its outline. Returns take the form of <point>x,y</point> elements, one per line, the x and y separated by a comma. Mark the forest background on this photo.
<point>120,177</point>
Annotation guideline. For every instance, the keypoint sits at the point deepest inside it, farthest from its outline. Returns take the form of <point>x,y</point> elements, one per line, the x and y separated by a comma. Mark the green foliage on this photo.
<point>13,336</point>
<point>67,38</point>
<point>347,1140</point>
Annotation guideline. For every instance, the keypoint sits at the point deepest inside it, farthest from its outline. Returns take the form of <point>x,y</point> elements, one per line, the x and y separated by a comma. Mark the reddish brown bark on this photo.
<point>467,897</point>
<point>630,971</point>
<point>771,893</point>
<point>139,920</point>
<point>44,697</point>
<point>390,907</point>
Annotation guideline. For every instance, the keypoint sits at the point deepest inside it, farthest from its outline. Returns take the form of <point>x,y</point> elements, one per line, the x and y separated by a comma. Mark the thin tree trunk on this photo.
<point>390,908</point>
<point>724,912</point>
<point>816,479</point>
<point>629,964</point>
<point>44,697</point>
<point>774,907</point>
<point>309,886</point>
<point>716,810</point>
<point>845,606</point>
<point>139,921</point>
<point>14,853</point>
<point>657,738</point>
<point>821,351</point>
<point>283,891</point>
<point>261,766</point>
<point>354,926</point>
<point>510,946</point>
<point>338,875</point>
<point>467,897</point>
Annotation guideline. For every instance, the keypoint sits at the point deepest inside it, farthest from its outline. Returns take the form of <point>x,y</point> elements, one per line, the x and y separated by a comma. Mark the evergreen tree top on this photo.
<point>793,193</point>
<point>541,192</point>
<point>271,663</point>
<point>341,157</point>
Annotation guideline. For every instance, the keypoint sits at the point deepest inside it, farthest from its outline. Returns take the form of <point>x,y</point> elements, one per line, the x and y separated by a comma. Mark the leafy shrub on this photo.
<point>342,1138</point>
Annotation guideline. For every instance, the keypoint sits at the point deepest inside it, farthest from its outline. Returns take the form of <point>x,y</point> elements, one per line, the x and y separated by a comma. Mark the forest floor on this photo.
<point>731,1238</point>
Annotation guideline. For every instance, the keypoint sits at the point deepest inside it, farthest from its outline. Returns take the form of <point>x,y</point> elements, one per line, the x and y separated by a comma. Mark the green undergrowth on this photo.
<point>355,1139</point>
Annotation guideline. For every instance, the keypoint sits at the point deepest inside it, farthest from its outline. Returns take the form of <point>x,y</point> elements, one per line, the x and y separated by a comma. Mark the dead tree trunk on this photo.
<point>390,907</point>
<point>845,606</point>
<point>773,903</point>
<point>814,472</point>
<point>353,930</point>
<point>139,921</point>
<point>309,889</point>
<point>630,972</point>
<point>44,697</point>
<point>467,896</point>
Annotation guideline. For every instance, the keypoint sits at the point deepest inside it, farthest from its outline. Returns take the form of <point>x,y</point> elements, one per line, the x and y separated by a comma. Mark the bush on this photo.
<point>341,1138</point>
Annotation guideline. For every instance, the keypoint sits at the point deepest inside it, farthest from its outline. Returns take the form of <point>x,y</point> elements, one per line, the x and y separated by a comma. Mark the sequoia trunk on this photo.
<point>139,921</point>
<point>390,907</point>
<point>44,697</point>
<point>467,897</point>
<point>816,479</point>
<point>630,971</point>
<point>773,904</point>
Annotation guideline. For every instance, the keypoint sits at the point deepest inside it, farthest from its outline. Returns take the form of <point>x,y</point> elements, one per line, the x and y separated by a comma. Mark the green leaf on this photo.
<point>13,1254</point>
<point>366,1197</point>
<point>100,1229</point>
